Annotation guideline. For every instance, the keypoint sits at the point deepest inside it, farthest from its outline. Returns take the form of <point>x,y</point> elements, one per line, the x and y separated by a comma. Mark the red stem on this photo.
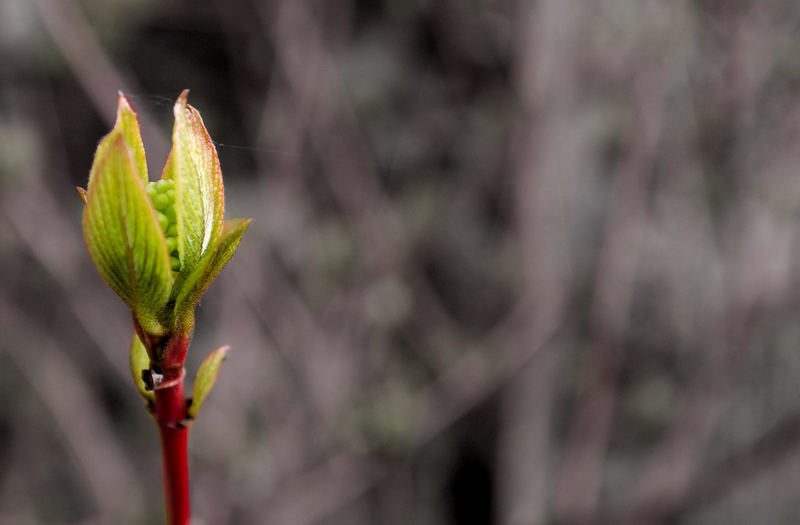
<point>170,411</point>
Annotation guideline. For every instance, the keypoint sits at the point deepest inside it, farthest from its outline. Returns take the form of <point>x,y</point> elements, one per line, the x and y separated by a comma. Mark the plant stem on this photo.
<point>170,411</point>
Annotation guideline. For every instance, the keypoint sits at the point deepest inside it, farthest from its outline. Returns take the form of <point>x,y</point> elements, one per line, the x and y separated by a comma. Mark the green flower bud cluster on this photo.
<point>162,193</point>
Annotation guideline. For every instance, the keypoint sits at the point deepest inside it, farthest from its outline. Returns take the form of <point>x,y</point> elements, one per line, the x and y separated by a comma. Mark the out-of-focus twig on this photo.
<point>755,284</point>
<point>777,444</point>
<point>107,473</point>
<point>581,469</point>
<point>93,69</point>
<point>308,498</point>
<point>543,148</point>
<point>307,62</point>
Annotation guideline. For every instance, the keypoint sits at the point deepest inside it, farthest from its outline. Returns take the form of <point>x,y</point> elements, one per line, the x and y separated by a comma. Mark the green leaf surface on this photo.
<point>199,195</point>
<point>139,361</point>
<point>206,377</point>
<point>128,126</point>
<point>122,232</point>
<point>215,258</point>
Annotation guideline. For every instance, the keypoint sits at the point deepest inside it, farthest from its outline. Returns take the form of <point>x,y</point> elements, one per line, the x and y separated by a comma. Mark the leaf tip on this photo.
<point>180,104</point>
<point>82,194</point>
<point>123,106</point>
<point>230,225</point>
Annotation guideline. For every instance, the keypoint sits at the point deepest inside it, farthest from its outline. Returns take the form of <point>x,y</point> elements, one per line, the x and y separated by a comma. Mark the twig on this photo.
<point>170,412</point>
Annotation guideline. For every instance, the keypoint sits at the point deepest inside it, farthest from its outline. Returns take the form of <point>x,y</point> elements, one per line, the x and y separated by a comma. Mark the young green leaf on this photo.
<point>215,258</point>
<point>122,232</point>
<point>128,126</point>
<point>139,361</point>
<point>199,195</point>
<point>206,377</point>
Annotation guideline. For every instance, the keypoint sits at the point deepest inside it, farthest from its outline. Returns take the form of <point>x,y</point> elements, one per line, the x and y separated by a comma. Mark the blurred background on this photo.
<point>513,262</point>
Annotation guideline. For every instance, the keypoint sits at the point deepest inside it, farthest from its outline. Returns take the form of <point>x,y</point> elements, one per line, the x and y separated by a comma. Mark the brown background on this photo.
<point>512,262</point>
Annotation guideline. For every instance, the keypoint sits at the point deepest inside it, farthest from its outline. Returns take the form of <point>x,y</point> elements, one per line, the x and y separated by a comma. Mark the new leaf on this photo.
<point>123,235</point>
<point>206,377</point>
<point>199,195</point>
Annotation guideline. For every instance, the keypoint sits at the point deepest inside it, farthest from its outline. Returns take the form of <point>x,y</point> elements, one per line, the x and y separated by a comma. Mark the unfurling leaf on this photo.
<point>122,231</point>
<point>206,377</point>
<point>199,195</point>
<point>215,258</point>
<point>140,361</point>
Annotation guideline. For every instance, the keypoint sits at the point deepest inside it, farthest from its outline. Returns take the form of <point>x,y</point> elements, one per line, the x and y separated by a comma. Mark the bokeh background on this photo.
<point>513,262</point>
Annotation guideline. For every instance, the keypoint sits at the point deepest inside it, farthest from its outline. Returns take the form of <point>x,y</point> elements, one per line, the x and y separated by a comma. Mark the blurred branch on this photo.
<point>543,148</point>
<point>309,498</point>
<point>754,286</point>
<point>344,476</point>
<point>84,426</point>
<point>584,452</point>
<point>480,372</point>
<point>306,60</point>
<point>74,37</point>
<point>311,351</point>
<point>776,445</point>
<point>76,40</point>
<point>668,473</point>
